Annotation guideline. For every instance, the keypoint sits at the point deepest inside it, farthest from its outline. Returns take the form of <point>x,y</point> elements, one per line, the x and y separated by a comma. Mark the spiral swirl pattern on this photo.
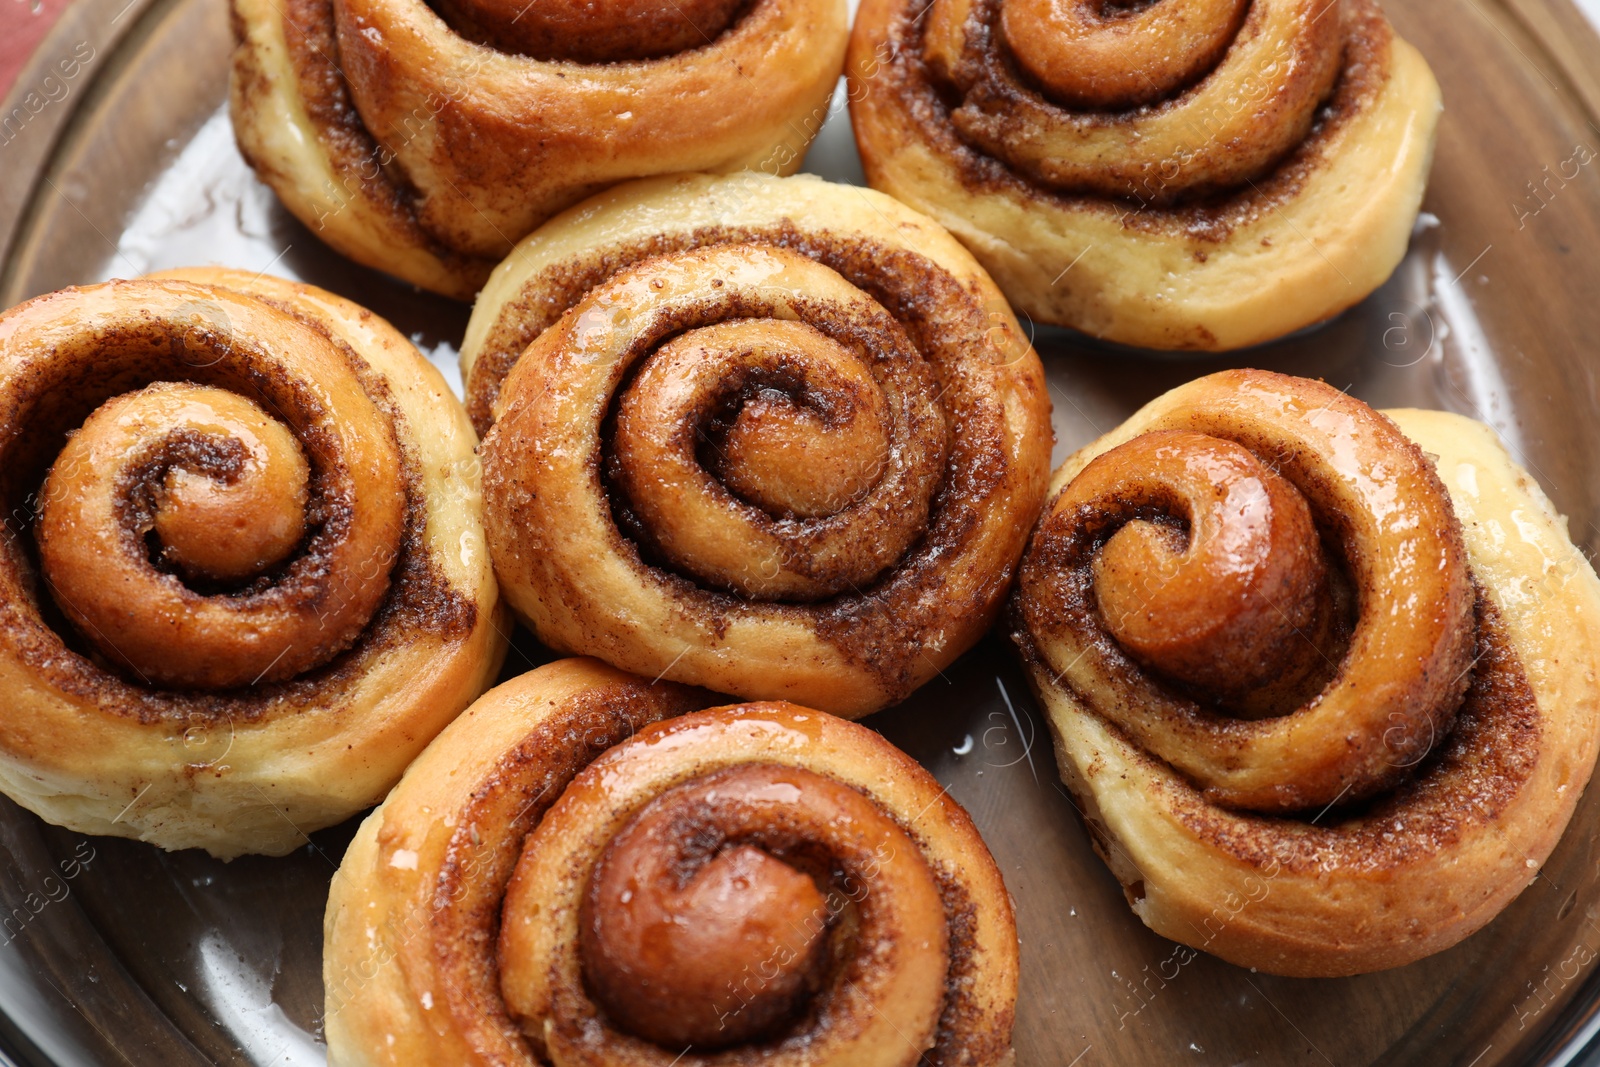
<point>1275,662</point>
<point>616,882</point>
<point>222,525</point>
<point>1241,598</point>
<point>1090,54</point>
<point>1201,164</point>
<point>773,460</point>
<point>423,140</point>
<point>1280,56</point>
<point>165,471</point>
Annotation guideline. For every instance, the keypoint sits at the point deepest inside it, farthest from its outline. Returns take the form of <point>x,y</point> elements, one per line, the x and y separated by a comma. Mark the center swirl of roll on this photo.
<point>765,457</point>
<point>1151,101</point>
<point>591,31</point>
<point>766,428</point>
<point>745,904</point>
<point>1225,587</point>
<point>709,918</point>
<point>1105,55</point>
<point>1287,557</point>
<point>220,532</point>
<point>756,883</point>
<point>233,499</point>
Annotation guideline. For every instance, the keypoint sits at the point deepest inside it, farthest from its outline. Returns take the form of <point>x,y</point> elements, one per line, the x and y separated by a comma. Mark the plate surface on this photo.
<point>145,957</point>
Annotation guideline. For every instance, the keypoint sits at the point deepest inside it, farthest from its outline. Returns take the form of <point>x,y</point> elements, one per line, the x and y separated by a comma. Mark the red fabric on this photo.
<point>23,24</point>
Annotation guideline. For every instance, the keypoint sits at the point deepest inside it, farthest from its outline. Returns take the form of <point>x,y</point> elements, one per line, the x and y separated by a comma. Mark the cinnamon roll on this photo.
<point>243,579</point>
<point>1183,174</point>
<point>425,139</point>
<point>775,437</point>
<point>1322,679</point>
<point>577,872</point>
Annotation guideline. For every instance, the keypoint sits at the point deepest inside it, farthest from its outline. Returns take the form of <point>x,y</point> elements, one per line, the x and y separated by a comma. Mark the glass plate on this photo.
<point>114,952</point>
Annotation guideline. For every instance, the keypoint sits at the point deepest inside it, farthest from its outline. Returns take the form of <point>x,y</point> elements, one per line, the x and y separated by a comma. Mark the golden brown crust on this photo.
<point>1475,802</point>
<point>411,964</point>
<point>392,636</point>
<point>1179,246</point>
<point>672,566</point>
<point>426,150</point>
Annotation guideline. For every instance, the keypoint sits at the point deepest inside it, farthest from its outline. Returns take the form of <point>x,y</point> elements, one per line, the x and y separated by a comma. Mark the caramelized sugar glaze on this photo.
<point>1181,156</point>
<point>775,437</point>
<point>1281,671</point>
<point>579,872</point>
<point>425,141</point>
<point>228,537</point>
